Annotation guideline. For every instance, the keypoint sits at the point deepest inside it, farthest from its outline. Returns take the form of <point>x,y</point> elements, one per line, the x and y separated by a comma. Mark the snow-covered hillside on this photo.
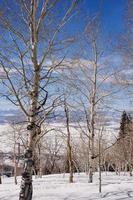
<point>56,187</point>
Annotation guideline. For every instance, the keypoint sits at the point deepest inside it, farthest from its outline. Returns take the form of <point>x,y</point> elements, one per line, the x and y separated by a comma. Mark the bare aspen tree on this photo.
<point>92,112</point>
<point>16,135</point>
<point>89,77</point>
<point>97,93</point>
<point>28,51</point>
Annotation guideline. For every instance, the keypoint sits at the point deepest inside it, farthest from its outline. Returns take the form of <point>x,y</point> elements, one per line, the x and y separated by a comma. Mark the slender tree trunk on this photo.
<point>70,164</point>
<point>130,154</point>
<point>92,114</point>
<point>69,148</point>
<point>1,171</point>
<point>99,162</point>
<point>15,171</point>
<point>0,179</point>
<point>39,162</point>
<point>15,161</point>
<point>91,153</point>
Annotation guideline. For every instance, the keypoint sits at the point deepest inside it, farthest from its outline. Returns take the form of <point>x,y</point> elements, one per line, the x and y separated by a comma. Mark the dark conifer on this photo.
<point>124,124</point>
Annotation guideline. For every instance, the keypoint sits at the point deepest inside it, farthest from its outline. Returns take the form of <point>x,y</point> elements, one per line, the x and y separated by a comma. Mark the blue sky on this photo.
<point>112,13</point>
<point>111,17</point>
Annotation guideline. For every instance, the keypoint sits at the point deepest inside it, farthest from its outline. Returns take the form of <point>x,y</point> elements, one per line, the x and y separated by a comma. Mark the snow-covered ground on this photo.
<point>56,187</point>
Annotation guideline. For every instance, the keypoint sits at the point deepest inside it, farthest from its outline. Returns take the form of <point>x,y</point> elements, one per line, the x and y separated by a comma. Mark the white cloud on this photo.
<point>6,105</point>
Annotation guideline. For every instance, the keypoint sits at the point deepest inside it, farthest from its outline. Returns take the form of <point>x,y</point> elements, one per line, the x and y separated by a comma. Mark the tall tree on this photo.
<point>28,56</point>
<point>124,124</point>
<point>124,145</point>
<point>90,78</point>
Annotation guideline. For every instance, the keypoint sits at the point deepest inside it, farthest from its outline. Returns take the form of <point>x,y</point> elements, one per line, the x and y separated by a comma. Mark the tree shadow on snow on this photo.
<point>118,195</point>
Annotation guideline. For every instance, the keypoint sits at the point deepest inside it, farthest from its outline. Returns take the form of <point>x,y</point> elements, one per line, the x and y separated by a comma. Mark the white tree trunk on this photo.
<point>92,114</point>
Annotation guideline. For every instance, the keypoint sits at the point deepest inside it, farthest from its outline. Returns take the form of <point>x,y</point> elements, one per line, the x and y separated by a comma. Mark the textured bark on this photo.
<point>15,161</point>
<point>92,114</point>
<point>39,162</point>
<point>0,179</point>
<point>26,183</point>
<point>99,163</point>
<point>15,171</point>
<point>69,148</point>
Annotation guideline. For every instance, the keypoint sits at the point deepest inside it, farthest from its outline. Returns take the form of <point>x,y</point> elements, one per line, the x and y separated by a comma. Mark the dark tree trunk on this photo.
<point>26,182</point>
<point>0,179</point>
<point>69,147</point>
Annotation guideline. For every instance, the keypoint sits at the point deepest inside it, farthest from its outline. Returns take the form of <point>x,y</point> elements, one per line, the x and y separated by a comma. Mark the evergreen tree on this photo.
<point>124,124</point>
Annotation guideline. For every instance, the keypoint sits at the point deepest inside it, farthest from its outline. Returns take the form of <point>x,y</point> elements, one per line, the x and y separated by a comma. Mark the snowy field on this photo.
<point>56,187</point>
